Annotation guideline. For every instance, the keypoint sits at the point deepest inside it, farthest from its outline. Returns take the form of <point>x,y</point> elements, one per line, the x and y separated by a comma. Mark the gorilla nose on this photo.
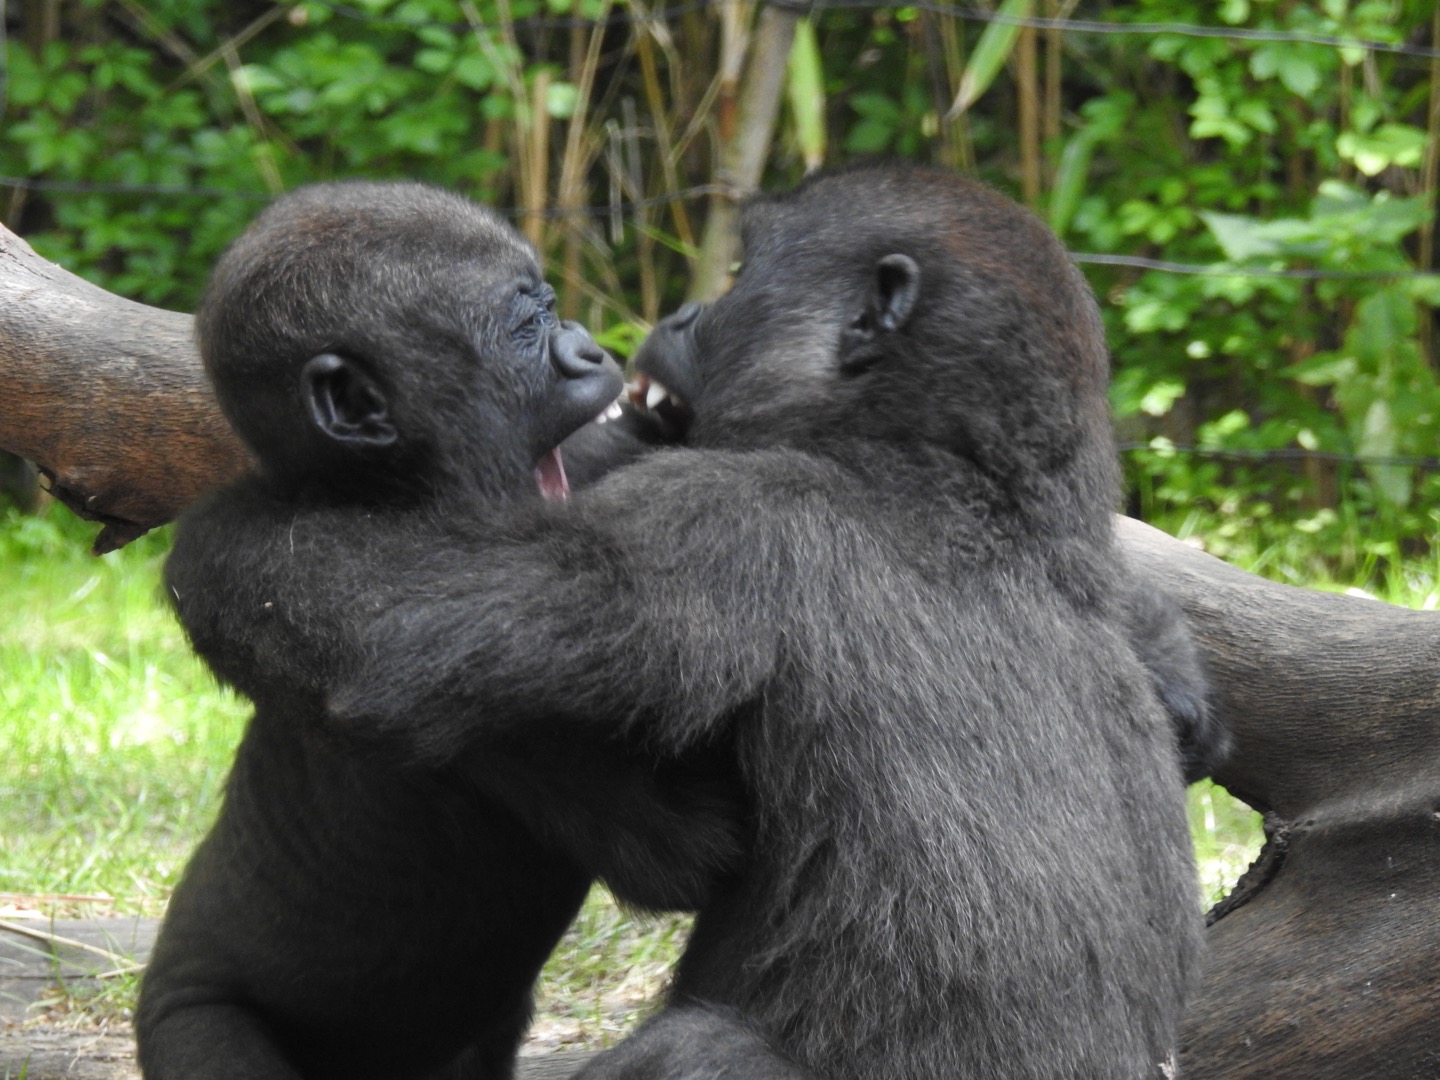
<point>574,352</point>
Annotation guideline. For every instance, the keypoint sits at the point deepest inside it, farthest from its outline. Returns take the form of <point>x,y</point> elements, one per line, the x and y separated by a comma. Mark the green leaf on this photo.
<point>434,61</point>
<point>990,54</point>
<point>25,87</point>
<point>1380,437</point>
<point>257,79</point>
<point>1241,238</point>
<point>1389,144</point>
<point>1324,369</point>
<point>1159,399</point>
<point>561,99</point>
<point>1425,289</point>
<point>1300,77</point>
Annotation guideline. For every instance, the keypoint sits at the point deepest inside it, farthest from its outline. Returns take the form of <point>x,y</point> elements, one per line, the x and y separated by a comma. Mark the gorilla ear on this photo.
<point>897,287</point>
<point>344,403</point>
<point>894,290</point>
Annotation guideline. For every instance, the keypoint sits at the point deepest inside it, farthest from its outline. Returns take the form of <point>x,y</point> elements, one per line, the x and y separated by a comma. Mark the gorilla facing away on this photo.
<point>391,355</point>
<point>881,575</point>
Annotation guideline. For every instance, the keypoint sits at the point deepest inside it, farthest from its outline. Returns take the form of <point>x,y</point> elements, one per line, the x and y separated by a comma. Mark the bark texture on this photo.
<point>107,397</point>
<point>1327,964</point>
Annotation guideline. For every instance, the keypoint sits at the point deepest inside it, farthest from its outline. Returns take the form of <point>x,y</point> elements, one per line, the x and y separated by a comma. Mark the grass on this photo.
<point>114,741</point>
<point>114,744</point>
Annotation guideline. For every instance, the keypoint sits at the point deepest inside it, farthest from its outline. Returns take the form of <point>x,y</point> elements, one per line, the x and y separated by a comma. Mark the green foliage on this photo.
<point>991,52</point>
<point>1266,158</point>
<point>1251,157</point>
<point>321,96</point>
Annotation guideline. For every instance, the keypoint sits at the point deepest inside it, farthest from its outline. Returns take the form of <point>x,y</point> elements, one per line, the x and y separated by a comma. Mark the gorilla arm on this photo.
<point>656,603</point>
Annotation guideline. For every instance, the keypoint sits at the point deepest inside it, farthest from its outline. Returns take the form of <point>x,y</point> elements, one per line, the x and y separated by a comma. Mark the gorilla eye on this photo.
<point>535,308</point>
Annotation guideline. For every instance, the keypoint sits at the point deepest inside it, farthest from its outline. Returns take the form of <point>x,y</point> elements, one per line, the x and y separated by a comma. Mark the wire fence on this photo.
<point>640,14</point>
<point>1289,454</point>
<point>609,210</point>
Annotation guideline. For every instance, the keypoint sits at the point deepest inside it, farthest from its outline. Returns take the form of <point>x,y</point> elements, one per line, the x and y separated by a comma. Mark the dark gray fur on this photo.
<point>880,580</point>
<point>883,571</point>
<point>970,858</point>
<point>360,914</point>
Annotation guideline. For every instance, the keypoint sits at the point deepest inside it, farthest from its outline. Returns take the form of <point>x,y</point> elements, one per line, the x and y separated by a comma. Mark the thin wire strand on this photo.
<point>1077,26</point>
<point>1225,270</point>
<point>1289,453</point>
<point>628,207</point>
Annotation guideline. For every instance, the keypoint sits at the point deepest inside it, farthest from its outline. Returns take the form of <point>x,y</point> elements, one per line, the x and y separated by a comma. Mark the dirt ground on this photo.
<point>36,956</point>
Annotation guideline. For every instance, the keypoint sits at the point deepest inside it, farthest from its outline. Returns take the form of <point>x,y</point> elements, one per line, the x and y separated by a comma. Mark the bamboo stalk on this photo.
<point>734,44</point>
<point>1429,183</point>
<point>742,158</point>
<point>957,127</point>
<point>664,138</point>
<point>1344,168</point>
<point>575,164</point>
<point>538,174</point>
<point>1028,89</point>
<point>1054,81</point>
<point>265,159</point>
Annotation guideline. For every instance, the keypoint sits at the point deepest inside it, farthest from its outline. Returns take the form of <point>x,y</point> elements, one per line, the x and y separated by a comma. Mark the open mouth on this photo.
<point>664,417</point>
<point>550,476</point>
<point>670,412</point>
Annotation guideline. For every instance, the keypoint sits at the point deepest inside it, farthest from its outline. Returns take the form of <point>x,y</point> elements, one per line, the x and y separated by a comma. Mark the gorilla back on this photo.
<point>883,568</point>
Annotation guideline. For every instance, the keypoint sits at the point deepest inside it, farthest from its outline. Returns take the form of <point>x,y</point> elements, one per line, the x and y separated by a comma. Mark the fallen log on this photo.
<point>107,398</point>
<point>1325,961</point>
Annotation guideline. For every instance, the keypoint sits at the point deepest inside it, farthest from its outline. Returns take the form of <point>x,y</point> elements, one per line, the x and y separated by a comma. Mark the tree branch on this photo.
<point>107,397</point>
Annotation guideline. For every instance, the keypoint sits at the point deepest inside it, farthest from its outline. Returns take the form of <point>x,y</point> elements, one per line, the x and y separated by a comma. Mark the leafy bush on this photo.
<point>1291,385</point>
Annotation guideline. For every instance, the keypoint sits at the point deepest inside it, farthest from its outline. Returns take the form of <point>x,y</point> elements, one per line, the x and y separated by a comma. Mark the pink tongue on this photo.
<point>550,475</point>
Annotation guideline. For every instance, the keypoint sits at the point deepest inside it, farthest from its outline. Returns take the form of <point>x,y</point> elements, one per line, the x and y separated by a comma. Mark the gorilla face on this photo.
<point>358,328</point>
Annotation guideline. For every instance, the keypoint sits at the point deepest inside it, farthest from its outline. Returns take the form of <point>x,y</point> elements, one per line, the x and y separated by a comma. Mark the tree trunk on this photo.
<point>107,397</point>
<point>743,153</point>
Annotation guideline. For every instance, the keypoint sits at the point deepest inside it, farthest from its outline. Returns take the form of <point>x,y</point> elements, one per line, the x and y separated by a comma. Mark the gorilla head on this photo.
<point>938,313</point>
<point>356,329</point>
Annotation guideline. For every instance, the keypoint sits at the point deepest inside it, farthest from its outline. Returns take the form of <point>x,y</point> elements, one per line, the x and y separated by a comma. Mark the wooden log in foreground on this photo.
<point>1326,965</point>
<point>107,397</point>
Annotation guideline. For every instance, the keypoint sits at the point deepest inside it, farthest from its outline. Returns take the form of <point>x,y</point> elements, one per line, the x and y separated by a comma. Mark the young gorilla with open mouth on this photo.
<point>391,355</point>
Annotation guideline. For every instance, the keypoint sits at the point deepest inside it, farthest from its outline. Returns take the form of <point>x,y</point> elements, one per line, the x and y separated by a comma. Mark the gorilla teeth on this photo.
<point>612,412</point>
<point>662,404</point>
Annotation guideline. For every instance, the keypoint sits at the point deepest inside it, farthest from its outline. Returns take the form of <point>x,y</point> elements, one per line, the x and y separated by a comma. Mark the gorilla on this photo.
<point>391,355</point>
<point>879,576</point>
